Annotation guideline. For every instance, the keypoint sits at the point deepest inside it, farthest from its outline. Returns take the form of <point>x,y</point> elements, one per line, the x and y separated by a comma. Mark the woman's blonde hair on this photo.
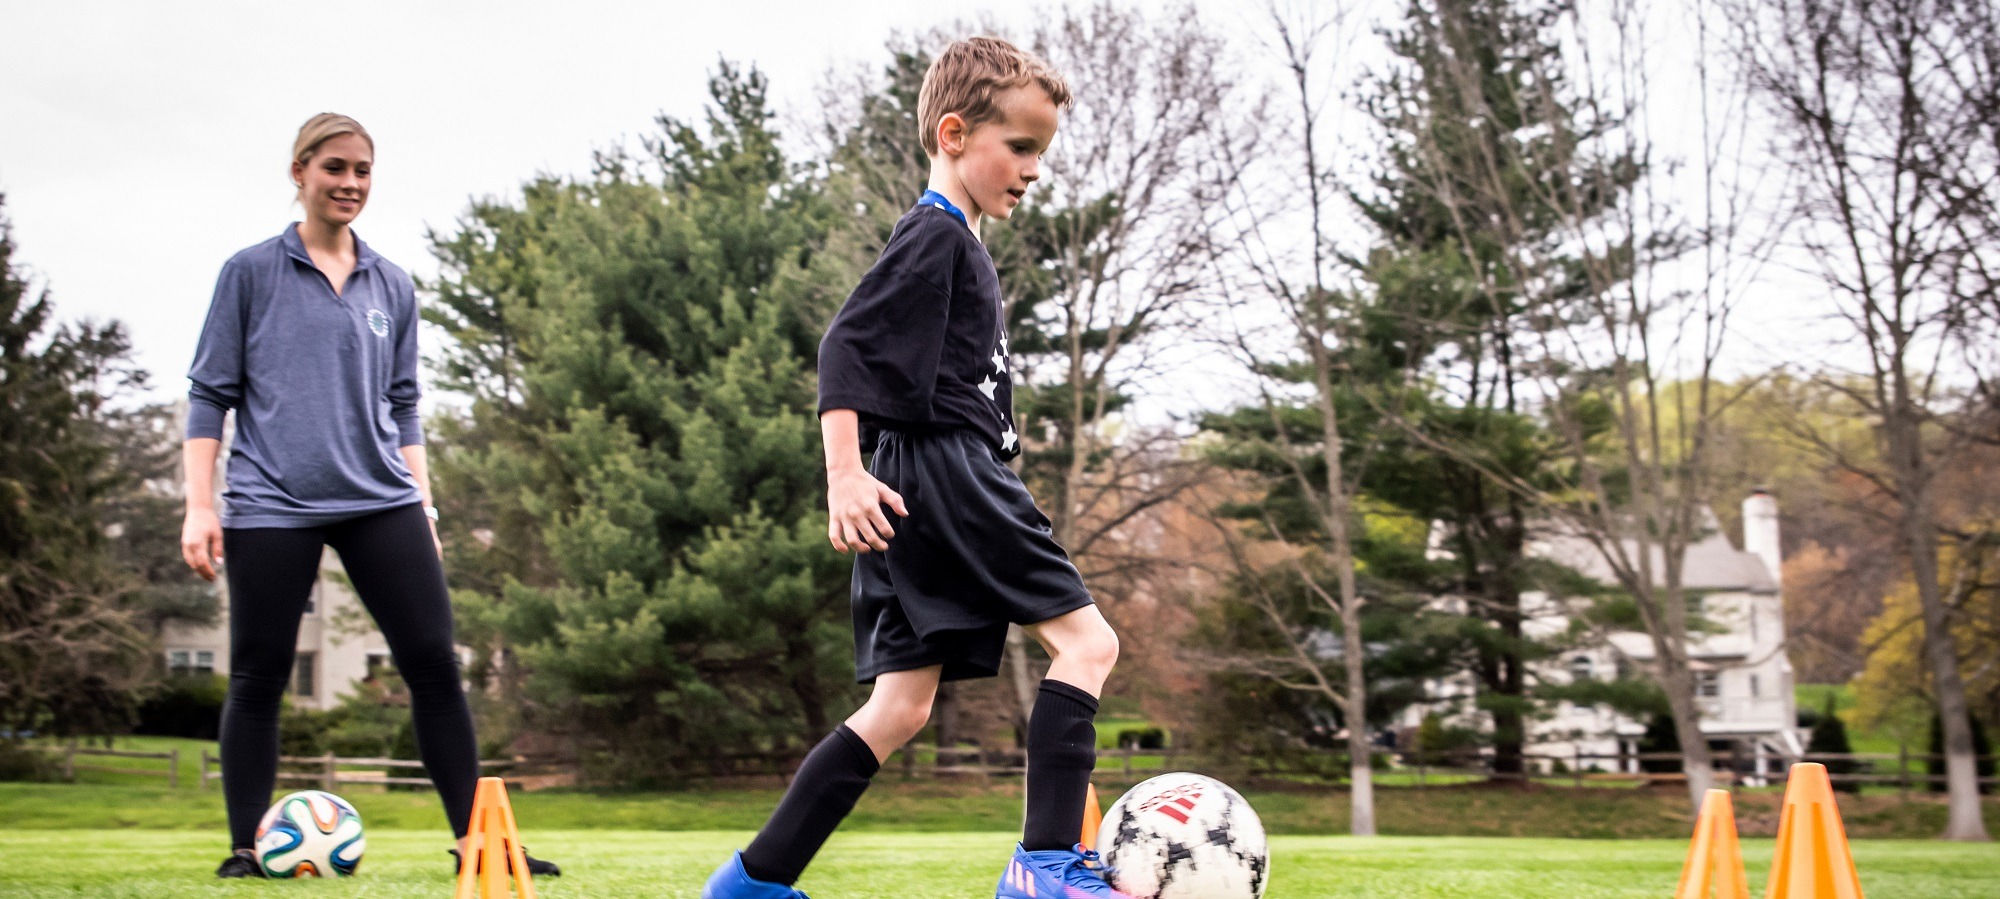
<point>322,128</point>
<point>968,78</point>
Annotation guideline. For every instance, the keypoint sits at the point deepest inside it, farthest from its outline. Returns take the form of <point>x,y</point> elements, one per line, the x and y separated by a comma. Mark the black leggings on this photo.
<point>394,568</point>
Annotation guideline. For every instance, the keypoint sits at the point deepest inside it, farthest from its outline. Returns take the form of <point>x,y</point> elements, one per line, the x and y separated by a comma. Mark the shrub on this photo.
<point>1829,735</point>
<point>1142,738</point>
<point>22,762</point>
<point>190,706</point>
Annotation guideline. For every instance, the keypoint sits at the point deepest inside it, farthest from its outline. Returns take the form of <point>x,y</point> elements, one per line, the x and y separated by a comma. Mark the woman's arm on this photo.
<point>201,531</point>
<point>419,461</point>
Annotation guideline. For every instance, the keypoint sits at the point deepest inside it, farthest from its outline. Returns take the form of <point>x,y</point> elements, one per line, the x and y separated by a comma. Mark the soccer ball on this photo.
<point>1185,836</point>
<point>310,834</point>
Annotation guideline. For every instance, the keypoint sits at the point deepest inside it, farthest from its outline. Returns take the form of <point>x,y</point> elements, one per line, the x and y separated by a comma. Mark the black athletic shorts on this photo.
<point>974,555</point>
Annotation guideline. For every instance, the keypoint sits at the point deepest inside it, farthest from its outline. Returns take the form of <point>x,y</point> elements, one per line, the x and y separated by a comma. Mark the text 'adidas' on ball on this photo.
<point>1185,836</point>
<point>310,834</point>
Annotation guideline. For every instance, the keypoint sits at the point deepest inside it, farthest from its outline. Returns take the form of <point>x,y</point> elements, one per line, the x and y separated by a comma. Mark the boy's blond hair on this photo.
<point>969,76</point>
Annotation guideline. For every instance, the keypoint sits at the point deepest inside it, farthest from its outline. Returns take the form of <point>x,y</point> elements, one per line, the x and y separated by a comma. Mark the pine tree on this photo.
<point>641,467</point>
<point>70,657</point>
<point>1476,123</point>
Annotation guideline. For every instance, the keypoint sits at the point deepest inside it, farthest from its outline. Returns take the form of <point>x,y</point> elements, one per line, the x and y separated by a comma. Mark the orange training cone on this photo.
<point>1093,818</point>
<point>1715,859</point>
<point>1813,860</point>
<point>495,845</point>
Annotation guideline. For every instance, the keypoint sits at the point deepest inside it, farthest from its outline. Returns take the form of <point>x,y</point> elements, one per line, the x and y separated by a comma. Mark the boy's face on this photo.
<point>1000,158</point>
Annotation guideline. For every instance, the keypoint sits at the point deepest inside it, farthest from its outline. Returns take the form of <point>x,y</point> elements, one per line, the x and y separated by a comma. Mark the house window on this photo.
<point>1708,684</point>
<point>379,664</point>
<point>182,662</point>
<point>1579,669</point>
<point>1753,633</point>
<point>303,682</point>
<point>1756,689</point>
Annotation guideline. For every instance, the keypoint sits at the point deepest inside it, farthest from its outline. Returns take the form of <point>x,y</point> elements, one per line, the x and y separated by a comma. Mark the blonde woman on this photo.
<point>312,339</point>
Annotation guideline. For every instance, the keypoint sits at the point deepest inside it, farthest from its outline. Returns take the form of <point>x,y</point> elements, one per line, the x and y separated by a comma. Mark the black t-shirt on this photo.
<point>919,345</point>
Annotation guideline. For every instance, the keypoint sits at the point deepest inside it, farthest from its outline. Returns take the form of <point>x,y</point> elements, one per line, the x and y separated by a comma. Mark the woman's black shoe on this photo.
<point>242,864</point>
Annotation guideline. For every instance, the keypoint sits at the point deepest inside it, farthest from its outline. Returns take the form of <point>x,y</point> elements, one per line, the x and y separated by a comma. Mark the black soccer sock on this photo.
<point>1062,752</point>
<point>828,783</point>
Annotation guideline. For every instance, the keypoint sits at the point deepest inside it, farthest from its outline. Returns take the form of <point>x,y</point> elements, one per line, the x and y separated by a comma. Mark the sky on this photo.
<point>143,143</point>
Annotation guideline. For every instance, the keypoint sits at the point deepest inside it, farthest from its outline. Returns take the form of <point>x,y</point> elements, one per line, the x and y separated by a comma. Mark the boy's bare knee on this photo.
<point>1095,647</point>
<point>905,718</point>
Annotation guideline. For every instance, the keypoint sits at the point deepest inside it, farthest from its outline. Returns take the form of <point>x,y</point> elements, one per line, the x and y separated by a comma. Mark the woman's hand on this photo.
<point>854,501</point>
<point>437,542</point>
<point>201,542</point>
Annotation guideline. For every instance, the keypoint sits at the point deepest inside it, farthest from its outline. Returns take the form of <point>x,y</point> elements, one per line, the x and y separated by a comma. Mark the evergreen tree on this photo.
<point>641,467</point>
<point>70,655</point>
<point>1829,735</point>
<point>1477,124</point>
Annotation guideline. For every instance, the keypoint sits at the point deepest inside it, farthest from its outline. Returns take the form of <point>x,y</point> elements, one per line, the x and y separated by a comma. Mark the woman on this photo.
<point>312,339</point>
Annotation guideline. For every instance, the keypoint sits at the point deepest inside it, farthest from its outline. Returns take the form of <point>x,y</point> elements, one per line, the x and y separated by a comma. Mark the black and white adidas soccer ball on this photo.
<point>1185,836</point>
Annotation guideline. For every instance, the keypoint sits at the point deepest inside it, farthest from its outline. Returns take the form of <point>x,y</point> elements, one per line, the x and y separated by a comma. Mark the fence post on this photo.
<point>69,761</point>
<point>330,777</point>
<point>174,768</point>
<point>1576,764</point>
<point>1903,769</point>
<point>203,781</point>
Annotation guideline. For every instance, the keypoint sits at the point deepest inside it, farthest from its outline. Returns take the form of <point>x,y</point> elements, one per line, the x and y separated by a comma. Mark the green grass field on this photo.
<point>671,865</point>
<point>112,835</point>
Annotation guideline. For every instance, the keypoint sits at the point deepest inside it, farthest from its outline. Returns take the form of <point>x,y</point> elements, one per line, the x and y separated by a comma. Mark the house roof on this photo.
<point>1712,563</point>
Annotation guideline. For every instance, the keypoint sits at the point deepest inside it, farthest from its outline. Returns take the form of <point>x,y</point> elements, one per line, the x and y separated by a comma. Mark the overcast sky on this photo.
<point>142,143</point>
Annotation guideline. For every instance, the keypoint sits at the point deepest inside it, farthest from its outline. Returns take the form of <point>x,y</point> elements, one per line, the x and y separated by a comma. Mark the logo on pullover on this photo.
<point>378,322</point>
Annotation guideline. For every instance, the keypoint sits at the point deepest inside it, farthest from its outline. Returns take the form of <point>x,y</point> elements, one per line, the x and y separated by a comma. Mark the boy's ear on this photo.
<point>952,130</point>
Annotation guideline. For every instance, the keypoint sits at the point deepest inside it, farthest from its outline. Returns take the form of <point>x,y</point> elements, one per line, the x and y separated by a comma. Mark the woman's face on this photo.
<point>333,184</point>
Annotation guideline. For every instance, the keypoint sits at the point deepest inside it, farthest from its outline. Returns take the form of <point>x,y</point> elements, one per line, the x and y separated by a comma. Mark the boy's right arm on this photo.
<point>854,498</point>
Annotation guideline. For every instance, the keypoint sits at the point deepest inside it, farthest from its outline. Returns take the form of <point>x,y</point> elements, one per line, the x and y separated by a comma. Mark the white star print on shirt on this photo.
<point>1007,440</point>
<point>999,362</point>
<point>988,386</point>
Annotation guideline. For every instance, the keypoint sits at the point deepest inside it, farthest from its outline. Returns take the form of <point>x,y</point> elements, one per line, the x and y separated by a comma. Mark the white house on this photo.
<point>1743,678</point>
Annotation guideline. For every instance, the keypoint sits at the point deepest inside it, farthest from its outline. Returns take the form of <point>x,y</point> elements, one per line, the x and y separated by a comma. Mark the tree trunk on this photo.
<point>1964,819</point>
<point>1696,763</point>
<point>1360,749</point>
<point>1361,811</point>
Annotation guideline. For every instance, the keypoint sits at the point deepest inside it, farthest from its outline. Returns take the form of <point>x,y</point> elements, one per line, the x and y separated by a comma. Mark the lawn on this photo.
<point>614,863</point>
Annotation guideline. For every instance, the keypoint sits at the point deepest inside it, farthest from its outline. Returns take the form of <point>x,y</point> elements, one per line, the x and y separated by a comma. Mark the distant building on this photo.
<point>1743,679</point>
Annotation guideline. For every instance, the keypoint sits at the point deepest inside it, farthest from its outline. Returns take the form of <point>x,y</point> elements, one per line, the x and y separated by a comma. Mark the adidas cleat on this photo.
<point>1073,873</point>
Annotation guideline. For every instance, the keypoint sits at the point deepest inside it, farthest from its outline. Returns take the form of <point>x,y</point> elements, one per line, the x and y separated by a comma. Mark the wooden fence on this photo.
<point>1432,769</point>
<point>71,750</point>
<point>327,773</point>
<point>1907,771</point>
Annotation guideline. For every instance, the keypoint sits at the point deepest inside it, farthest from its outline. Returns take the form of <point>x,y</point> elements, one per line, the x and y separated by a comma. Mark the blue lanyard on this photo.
<point>933,198</point>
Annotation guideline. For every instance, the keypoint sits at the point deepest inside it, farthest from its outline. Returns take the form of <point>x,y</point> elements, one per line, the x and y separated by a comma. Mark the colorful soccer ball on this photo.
<point>1185,836</point>
<point>310,834</point>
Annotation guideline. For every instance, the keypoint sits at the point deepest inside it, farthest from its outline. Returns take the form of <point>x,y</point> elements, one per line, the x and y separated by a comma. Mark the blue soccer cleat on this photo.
<point>731,882</point>
<point>1073,873</point>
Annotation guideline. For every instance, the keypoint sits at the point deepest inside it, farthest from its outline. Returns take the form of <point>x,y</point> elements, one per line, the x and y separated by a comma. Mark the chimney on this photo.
<point>1760,531</point>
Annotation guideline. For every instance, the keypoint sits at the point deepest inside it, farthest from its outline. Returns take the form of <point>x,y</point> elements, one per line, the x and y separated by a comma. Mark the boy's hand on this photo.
<point>854,501</point>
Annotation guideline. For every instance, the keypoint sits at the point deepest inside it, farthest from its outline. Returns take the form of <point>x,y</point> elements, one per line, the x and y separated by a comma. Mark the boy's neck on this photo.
<point>946,183</point>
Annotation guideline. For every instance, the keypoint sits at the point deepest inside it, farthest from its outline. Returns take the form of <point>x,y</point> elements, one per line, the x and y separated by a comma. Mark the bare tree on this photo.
<point>1612,308</point>
<point>1886,115</point>
<point>1282,237</point>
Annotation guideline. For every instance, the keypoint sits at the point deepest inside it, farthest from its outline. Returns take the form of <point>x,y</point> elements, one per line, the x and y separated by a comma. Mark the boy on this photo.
<point>914,368</point>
